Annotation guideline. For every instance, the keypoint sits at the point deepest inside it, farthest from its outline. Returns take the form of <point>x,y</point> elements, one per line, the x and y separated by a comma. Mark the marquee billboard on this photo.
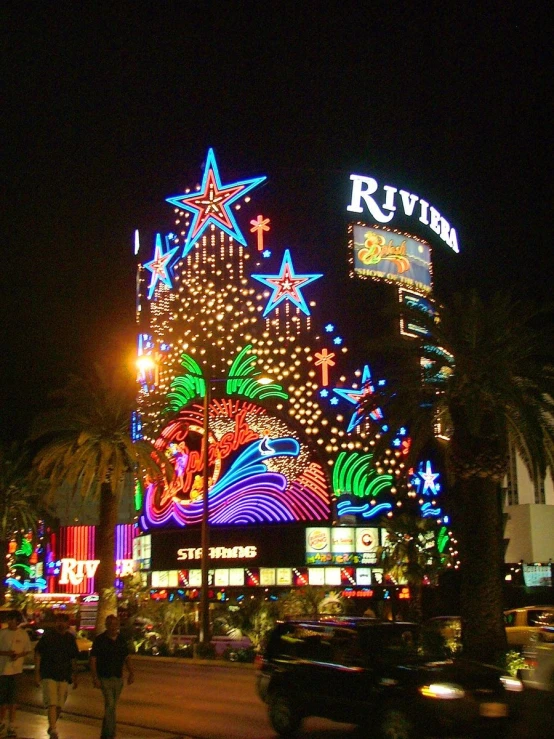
<point>380,254</point>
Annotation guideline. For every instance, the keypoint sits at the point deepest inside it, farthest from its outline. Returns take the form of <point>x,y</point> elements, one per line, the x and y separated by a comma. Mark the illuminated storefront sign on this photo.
<point>342,545</point>
<point>230,547</point>
<point>381,254</point>
<point>74,571</point>
<point>384,206</point>
<point>264,577</point>
<point>247,552</point>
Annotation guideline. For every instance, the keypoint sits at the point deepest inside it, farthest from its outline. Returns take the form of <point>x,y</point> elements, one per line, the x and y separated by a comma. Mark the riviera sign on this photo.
<point>363,189</point>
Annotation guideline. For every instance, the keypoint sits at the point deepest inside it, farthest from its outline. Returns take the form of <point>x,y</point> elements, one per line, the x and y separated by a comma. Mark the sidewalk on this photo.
<point>33,725</point>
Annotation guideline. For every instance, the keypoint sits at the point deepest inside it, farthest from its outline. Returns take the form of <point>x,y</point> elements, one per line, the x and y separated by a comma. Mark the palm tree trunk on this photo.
<point>105,552</point>
<point>478,512</point>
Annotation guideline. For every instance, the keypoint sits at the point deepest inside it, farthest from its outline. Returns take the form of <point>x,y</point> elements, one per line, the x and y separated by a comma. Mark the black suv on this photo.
<point>377,675</point>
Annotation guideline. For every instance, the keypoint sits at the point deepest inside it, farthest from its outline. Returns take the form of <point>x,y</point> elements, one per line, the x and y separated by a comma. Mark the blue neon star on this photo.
<point>334,401</point>
<point>286,286</point>
<point>337,340</point>
<point>212,204</point>
<point>266,253</point>
<point>329,328</point>
<point>324,393</point>
<point>159,266</point>
<point>429,478</point>
<point>357,396</point>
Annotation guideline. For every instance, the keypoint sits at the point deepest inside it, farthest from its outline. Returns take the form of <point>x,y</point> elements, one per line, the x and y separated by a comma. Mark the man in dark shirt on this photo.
<point>56,665</point>
<point>108,655</point>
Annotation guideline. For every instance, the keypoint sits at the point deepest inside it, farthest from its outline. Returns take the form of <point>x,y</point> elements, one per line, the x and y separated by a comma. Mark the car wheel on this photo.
<point>284,715</point>
<point>395,724</point>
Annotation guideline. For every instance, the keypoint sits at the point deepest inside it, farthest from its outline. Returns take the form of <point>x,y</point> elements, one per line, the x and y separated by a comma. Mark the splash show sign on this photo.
<point>381,254</point>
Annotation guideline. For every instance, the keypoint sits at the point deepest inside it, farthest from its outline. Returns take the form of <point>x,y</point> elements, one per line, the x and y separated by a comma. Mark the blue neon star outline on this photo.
<point>159,265</point>
<point>286,285</point>
<point>355,396</point>
<point>212,204</point>
<point>428,477</point>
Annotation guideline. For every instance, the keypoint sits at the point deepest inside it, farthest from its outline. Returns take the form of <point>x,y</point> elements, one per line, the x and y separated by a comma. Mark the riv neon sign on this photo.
<point>74,571</point>
<point>364,188</point>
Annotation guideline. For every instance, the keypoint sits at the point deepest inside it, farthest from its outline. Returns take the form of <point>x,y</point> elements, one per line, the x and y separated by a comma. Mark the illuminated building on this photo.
<point>294,491</point>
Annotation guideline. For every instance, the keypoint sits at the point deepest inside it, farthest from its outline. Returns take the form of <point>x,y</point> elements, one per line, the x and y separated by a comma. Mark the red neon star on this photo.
<point>212,204</point>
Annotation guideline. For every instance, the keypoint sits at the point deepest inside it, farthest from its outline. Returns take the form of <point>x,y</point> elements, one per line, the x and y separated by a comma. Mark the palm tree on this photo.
<point>411,554</point>
<point>18,502</point>
<point>482,378</point>
<point>91,450</point>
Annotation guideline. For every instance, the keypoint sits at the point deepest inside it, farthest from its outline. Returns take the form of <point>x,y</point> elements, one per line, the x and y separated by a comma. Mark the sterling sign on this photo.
<point>363,189</point>
<point>247,552</point>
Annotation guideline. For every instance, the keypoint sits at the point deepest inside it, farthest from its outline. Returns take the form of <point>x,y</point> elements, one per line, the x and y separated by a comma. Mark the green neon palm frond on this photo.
<point>442,539</point>
<point>185,388</point>
<point>353,474</point>
<point>243,378</point>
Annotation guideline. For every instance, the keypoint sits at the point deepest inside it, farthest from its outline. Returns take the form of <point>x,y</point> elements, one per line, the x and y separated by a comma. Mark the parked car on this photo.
<point>524,623</point>
<point>374,674</point>
<point>539,658</point>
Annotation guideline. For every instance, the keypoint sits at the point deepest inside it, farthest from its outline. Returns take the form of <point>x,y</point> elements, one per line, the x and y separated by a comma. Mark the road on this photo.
<point>220,702</point>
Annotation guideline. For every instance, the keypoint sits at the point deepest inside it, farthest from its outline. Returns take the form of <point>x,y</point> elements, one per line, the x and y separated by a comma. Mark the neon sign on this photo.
<point>238,552</point>
<point>259,471</point>
<point>159,266</point>
<point>382,254</point>
<point>74,571</point>
<point>287,285</point>
<point>211,205</point>
<point>363,189</point>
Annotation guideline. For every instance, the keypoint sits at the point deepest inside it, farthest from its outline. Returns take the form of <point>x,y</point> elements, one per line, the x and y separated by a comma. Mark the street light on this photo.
<point>205,537</point>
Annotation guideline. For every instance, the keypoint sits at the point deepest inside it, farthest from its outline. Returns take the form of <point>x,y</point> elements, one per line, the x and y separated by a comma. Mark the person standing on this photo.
<point>108,656</point>
<point>56,666</point>
<point>15,645</point>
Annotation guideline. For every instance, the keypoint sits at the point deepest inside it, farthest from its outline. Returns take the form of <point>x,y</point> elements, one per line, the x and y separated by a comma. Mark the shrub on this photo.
<point>204,651</point>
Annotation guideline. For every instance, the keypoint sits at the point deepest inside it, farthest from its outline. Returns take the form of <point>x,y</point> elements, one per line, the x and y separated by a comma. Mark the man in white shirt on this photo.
<point>14,646</point>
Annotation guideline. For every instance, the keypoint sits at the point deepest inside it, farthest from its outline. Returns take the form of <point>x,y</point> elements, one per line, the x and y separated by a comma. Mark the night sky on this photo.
<point>109,108</point>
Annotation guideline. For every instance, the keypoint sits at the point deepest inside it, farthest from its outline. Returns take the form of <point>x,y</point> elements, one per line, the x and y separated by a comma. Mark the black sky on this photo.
<point>108,108</point>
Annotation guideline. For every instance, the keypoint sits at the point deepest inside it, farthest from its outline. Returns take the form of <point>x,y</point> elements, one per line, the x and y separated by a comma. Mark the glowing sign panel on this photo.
<point>382,254</point>
<point>341,545</point>
<point>383,207</point>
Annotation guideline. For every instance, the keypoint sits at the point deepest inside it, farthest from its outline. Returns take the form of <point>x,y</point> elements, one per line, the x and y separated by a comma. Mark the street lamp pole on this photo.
<point>204,600</point>
<point>205,540</point>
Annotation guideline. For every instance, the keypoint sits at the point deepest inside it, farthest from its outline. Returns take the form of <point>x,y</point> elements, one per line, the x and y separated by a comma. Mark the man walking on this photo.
<point>108,655</point>
<point>56,664</point>
<point>14,646</point>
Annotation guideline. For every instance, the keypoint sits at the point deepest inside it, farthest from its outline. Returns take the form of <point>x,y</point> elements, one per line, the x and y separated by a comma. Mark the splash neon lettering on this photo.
<point>363,189</point>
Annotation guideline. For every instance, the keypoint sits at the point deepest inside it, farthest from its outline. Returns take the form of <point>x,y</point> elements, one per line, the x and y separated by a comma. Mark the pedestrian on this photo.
<point>15,645</point>
<point>108,655</point>
<point>56,666</point>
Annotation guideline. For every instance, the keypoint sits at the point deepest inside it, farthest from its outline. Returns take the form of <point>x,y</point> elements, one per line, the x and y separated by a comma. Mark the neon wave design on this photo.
<point>366,510</point>
<point>249,493</point>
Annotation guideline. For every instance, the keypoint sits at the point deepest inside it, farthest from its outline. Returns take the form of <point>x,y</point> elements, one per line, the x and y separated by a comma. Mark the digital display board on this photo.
<point>381,254</point>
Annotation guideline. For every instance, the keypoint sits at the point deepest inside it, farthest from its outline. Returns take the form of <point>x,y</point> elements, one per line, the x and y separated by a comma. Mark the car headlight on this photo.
<point>512,684</point>
<point>442,691</point>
